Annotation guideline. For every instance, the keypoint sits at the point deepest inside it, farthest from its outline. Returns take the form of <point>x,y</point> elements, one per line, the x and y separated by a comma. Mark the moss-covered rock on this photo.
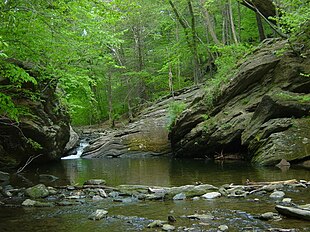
<point>262,113</point>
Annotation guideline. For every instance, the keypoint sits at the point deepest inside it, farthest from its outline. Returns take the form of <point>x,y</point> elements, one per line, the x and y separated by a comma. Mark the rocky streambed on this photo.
<point>251,206</point>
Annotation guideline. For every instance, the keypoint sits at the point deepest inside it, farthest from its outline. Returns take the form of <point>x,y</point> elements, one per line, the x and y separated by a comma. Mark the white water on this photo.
<point>79,150</point>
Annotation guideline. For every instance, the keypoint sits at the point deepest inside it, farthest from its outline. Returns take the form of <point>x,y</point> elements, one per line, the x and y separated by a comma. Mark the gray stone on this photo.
<point>95,182</point>
<point>179,196</point>
<point>102,193</point>
<point>269,216</point>
<point>31,203</point>
<point>156,223</point>
<point>28,202</point>
<point>211,195</point>
<point>223,228</point>
<point>37,191</point>
<point>97,198</point>
<point>98,214</point>
<point>4,176</point>
<point>167,227</point>
<point>277,194</point>
<point>73,140</point>
<point>287,200</point>
<point>202,217</point>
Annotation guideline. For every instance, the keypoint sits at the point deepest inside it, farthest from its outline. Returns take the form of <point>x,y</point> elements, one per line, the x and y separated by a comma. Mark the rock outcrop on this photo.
<point>147,135</point>
<point>262,113</point>
<point>42,131</point>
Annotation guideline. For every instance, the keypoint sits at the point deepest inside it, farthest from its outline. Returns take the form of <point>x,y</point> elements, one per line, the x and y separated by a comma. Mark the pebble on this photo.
<point>98,214</point>
<point>223,228</point>
<point>156,223</point>
<point>167,227</point>
<point>211,195</point>
<point>179,196</point>
<point>277,194</point>
<point>287,200</point>
<point>95,182</point>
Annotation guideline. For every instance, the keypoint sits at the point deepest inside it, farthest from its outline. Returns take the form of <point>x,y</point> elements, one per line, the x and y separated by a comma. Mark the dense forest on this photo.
<point>106,58</point>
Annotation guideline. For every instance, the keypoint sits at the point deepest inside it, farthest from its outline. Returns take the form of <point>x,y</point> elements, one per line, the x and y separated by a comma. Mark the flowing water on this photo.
<point>132,215</point>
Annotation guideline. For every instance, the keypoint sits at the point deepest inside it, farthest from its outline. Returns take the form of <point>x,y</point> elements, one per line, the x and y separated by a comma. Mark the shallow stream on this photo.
<point>133,215</point>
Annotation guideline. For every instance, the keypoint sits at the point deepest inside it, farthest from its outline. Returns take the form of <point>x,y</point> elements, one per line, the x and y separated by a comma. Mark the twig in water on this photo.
<point>30,159</point>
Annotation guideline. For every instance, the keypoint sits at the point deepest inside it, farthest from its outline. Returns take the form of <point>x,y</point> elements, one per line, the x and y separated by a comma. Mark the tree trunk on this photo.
<point>260,27</point>
<point>232,25</point>
<point>109,94</point>
<point>207,21</point>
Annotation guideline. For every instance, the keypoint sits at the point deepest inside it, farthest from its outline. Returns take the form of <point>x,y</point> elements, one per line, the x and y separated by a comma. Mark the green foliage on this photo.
<point>230,56</point>
<point>7,107</point>
<point>293,14</point>
<point>175,109</point>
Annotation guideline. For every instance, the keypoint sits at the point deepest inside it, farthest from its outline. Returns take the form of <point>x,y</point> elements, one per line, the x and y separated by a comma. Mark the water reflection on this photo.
<point>165,171</point>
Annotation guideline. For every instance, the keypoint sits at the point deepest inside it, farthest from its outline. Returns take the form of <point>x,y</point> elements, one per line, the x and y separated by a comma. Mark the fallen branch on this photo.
<point>29,160</point>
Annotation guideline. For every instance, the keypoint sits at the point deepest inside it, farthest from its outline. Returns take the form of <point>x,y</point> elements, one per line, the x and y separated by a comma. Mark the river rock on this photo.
<point>37,191</point>
<point>30,203</point>
<point>97,198</point>
<point>277,194</point>
<point>179,196</point>
<point>98,214</point>
<point>102,193</point>
<point>202,217</point>
<point>73,140</point>
<point>95,182</point>
<point>4,176</point>
<point>167,227</point>
<point>269,216</point>
<point>287,200</point>
<point>211,195</point>
<point>223,228</point>
<point>156,223</point>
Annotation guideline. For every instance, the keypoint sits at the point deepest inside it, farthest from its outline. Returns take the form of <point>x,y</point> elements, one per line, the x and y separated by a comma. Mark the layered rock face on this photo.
<point>44,130</point>
<point>147,135</point>
<point>262,113</point>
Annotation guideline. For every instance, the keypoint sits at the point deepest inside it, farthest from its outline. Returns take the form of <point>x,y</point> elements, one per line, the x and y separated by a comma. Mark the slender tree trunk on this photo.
<point>192,39</point>
<point>171,81</point>
<point>239,21</point>
<point>207,21</point>
<point>130,114</point>
<point>109,93</point>
<point>260,27</point>
<point>197,68</point>
<point>232,25</point>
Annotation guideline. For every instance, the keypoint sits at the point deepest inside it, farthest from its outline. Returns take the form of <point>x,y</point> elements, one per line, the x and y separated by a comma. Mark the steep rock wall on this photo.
<point>262,114</point>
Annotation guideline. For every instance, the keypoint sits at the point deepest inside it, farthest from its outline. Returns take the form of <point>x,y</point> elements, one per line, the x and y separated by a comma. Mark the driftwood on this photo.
<point>293,181</point>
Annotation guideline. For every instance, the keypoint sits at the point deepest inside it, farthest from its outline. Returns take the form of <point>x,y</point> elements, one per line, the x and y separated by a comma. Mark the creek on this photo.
<point>133,215</point>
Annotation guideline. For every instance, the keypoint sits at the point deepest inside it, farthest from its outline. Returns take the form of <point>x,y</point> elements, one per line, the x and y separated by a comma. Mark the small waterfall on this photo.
<point>79,150</point>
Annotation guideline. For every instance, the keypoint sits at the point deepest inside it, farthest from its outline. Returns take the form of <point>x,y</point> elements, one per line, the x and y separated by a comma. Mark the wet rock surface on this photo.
<point>99,202</point>
<point>147,135</point>
<point>261,115</point>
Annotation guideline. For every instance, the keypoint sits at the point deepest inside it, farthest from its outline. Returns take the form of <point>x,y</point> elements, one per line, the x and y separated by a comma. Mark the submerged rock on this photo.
<point>31,203</point>
<point>179,196</point>
<point>98,214</point>
<point>37,191</point>
<point>277,194</point>
<point>211,195</point>
<point>167,227</point>
<point>95,182</point>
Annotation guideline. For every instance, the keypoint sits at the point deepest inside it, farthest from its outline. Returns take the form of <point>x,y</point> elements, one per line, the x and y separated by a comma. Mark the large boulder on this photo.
<point>147,135</point>
<point>43,129</point>
<point>262,114</point>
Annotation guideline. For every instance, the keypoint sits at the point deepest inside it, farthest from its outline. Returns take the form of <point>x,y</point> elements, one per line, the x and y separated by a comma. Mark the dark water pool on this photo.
<point>132,215</point>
